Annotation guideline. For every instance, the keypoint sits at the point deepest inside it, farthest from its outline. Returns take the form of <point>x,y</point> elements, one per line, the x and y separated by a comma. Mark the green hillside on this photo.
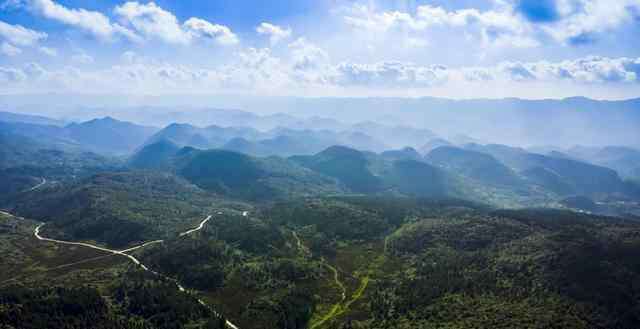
<point>479,166</point>
<point>345,164</point>
<point>117,209</point>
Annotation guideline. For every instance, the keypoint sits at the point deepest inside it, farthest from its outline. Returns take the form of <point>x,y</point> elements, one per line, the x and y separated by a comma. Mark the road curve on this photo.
<point>197,228</point>
<point>44,181</point>
<point>36,233</point>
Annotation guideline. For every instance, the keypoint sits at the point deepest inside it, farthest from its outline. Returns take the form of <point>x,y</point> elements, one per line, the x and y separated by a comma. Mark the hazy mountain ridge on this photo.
<point>106,135</point>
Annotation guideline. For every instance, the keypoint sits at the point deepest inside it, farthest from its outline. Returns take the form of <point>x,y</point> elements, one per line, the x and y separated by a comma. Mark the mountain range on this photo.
<point>244,162</point>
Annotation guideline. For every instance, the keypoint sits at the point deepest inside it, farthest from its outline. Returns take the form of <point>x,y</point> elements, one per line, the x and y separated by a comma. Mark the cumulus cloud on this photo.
<point>19,35</point>
<point>204,29</point>
<point>518,23</point>
<point>582,21</point>
<point>389,74</point>
<point>307,55</point>
<point>274,32</point>
<point>498,27</point>
<point>153,22</point>
<point>258,70</point>
<point>589,70</point>
<point>92,22</point>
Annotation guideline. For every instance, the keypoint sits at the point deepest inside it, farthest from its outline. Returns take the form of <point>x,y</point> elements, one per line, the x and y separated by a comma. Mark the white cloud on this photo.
<point>152,21</point>
<point>204,29</point>
<point>19,35</point>
<point>582,21</point>
<point>586,70</point>
<point>259,71</point>
<point>493,27</point>
<point>8,50</point>
<point>390,74</point>
<point>274,32</point>
<point>572,22</point>
<point>307,56</point>
<point>92,22</point>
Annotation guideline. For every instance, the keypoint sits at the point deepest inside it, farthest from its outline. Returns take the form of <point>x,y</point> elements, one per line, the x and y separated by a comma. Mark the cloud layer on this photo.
<point>358,46</point>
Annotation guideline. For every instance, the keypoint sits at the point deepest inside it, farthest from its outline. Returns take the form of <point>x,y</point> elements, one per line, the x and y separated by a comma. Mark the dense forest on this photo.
<point>455,236</point>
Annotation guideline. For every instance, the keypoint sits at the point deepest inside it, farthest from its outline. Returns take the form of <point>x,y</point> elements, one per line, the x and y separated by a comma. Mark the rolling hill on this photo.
<point>117,209</point>
<point>476,165</point>
<point>345,164</point>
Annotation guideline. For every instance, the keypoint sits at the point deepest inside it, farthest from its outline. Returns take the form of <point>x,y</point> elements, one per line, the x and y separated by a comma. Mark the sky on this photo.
<point>313,48</point>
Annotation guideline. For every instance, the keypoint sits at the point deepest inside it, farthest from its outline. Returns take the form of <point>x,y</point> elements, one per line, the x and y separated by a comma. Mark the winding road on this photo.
<point>136,261</point>
<point>44,181</point>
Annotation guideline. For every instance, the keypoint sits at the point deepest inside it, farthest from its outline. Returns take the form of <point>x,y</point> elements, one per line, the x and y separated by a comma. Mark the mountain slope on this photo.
<point>582,177</point>
<point>27,118</point>
<point>154,156</point>
<point>345,164</point>
<point>480,166</point>
<point>417,178</point>
<point>239,175</point>
<point>108,135</point>
<point>117,209</point>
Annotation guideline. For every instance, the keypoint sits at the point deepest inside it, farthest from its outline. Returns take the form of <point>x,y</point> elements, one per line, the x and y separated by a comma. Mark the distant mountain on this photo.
<point>407,153</point>
<point>104,136</point>
<point>394,135</point>
<point>239,175</point>
<point>560,122</point>
<point>583,177</point>
<point>476,165</point>
<point>108,135</point>
<point>21,151</point>
<point>625,160</point>
<point>279,141</point>
<point>209,137</point>
<point>234,174</point>
<point>46,135</point>
<point>241,145</point>
<point>433,144</point>
<point>27,118</point>
<point>345,164</point>
<point>281,145</point>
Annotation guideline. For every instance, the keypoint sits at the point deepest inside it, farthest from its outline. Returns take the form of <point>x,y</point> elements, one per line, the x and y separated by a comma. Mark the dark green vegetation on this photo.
<point>407,263</point>
<point>338,239</point>
<point>480,166</point>
<point>235,174</point>
<point>117,208</point>
<point>348,165</point>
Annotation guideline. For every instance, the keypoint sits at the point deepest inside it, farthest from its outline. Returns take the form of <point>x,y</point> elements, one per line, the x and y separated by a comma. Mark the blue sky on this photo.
<point>457,49</point>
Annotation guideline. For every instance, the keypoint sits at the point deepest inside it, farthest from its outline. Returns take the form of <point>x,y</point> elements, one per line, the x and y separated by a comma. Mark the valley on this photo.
<point>186,234</point>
